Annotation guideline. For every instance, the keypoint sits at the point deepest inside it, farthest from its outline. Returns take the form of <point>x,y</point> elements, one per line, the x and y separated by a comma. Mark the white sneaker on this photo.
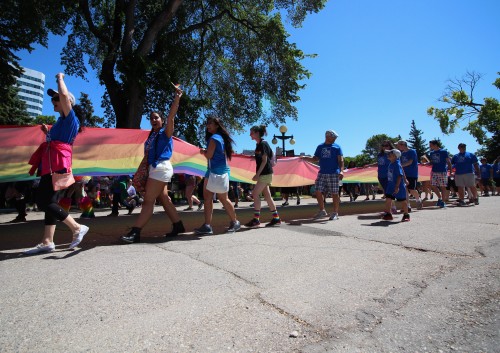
<point>79,238</point>
<point>40,248</point>
<point>321,214</point>
<point>334,216</point>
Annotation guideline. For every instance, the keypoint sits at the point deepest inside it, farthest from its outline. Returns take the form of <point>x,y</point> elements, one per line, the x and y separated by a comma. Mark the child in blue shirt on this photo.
<point>396,186</point>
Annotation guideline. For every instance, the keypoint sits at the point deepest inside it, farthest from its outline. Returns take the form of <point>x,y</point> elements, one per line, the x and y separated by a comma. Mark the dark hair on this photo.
<point>261,129</point>
<point>80,115</point>
<point>385,142</point>
<point>221,130</point>
<point>162,117</point>
<point>435,142</point>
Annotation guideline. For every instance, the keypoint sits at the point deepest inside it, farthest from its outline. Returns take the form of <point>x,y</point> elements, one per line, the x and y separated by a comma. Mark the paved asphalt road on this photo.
<point>358,284</point>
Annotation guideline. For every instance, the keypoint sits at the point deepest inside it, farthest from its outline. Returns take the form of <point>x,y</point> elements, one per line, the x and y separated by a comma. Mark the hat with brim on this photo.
<point>396,152</point>
<point>331,133</point>
<point>51,92</point>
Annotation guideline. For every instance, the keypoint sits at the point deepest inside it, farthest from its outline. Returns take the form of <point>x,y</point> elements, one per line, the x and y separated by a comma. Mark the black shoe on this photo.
<point>298,201</point>
<point>18,220</point>
<point>285,203</point>
<point>274,222</point>
<point>177,228</point>
<point>113,214</point>
<point>134,236</point>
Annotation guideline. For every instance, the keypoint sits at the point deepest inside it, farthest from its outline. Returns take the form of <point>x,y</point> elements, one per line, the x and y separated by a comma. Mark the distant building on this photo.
<point>31,90</point>
<point>248,152</point>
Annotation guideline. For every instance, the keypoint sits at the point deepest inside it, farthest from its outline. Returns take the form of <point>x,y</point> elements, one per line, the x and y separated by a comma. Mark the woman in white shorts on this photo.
<point>159,148</point>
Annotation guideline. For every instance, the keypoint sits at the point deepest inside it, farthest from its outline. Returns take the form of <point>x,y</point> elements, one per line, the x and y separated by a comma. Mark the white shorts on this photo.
<point>162,172</point>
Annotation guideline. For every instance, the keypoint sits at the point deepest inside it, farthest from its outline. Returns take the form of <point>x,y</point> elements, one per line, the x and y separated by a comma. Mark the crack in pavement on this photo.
<point>305,229</point>
<point>258,295</point>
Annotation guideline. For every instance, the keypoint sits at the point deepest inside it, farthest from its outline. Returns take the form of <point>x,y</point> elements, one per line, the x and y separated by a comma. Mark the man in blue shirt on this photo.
<point>409,162</point>
<point>331,166</point>
<point>465,165</point>
<point>441,164</point>
<point>486,177</point>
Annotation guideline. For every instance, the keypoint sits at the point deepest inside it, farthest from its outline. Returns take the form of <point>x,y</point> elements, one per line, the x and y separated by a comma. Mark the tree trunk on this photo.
<point>134,109</point>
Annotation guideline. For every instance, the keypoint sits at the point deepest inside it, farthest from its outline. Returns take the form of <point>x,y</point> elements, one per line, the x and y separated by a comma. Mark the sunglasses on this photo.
<point>55,99</point>
<point>386,145</point>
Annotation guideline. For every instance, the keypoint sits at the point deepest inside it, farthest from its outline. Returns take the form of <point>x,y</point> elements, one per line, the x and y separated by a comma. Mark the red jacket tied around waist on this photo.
<point>60,158</point>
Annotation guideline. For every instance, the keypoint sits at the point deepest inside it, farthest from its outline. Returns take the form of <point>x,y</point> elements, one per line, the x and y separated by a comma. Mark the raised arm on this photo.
<point>169,129</point>
<point>64,99</point>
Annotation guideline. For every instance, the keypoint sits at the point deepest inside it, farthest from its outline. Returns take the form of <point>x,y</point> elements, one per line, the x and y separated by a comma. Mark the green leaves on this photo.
<point>233,58</point>
<point>481,119</point>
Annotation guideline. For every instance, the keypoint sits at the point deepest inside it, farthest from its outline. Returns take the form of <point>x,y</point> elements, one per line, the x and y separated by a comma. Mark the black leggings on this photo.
<point>46,199</point>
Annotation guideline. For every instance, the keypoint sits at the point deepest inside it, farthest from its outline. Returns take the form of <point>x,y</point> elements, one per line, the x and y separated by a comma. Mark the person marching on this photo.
<point>466,165</point>
<point>331,172</point>
<point>441,164</point>
<point>219,150</point>
<point>263,176</point>
<point>409,162</point>
<point>55,155</point>
<point>395,188</point>
<point>159,148</point>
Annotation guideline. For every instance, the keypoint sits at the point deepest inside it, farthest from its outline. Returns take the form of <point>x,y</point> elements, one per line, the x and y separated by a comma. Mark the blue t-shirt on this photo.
<point>65,129</point>
<point>328,158</point>
<point>382,163</point>
<point>496,171</point>
<point>218,163</point>
<point>160,148</point>
<point>485,170</point>
<point>438,160</point>
<point>464,163</point>
<point>393,171</point>
<point>411,170</point>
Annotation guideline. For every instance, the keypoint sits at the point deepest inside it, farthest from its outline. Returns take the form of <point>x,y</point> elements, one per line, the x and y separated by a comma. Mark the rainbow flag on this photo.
<point>103,152</point>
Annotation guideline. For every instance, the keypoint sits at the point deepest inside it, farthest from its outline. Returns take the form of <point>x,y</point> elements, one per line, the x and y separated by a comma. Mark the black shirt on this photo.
<point>262,149</point>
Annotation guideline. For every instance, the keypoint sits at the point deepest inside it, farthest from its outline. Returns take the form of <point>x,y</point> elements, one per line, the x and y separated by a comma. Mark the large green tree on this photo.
<point>44,119</point>
<point>481,119</point>
<point>13,109</point>
<point>22,24</point>
<point>86,108</point>
<point>233,58</point>
<point>416,141</point>
<point>372,147</point>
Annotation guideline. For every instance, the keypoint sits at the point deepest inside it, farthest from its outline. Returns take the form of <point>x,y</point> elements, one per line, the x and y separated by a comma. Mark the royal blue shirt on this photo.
<point>485,170</point>
<point>464,163</point>
<point>393,171</point>
<point>218,163</point>
<point>438,160</point>
<point>411,170</point>
<point>496,171</point>
<point>160,148</point>
<point>328,155</point>
<point>65,129</point>
<point>382,163</point>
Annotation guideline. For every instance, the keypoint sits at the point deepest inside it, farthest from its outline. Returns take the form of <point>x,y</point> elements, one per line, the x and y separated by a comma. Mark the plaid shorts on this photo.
<point>439,179</point>
<point>326,183</point>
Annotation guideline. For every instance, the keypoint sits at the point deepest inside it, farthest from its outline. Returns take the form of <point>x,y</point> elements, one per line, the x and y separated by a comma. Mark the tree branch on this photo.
<point>84,6</point>
<point>163,18</point>
<point>128,32</point>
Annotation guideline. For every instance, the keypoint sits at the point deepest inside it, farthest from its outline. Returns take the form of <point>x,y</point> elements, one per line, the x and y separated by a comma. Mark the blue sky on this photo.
<point>380,64</point>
